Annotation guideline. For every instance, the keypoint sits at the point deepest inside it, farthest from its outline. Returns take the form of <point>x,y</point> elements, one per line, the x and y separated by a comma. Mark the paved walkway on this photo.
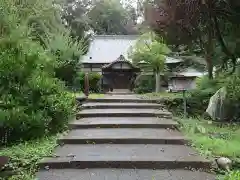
<point>124,138</point>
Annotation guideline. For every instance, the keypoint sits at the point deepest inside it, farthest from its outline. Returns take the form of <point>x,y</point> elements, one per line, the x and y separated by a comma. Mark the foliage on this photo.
<point>85,17</point>
<point>150,54</point>
<point>214,140</point>
<point>67,52</point>
<point>233,95</point>
<point>94,82</point>
<point>198,99</point>
<point>33,101</point>
<point>207,28</point>
<point>151,51</point>
<point>111,17</point>
<point>206,88</point>
<point>75,16</point>
<point>45,27</point>
<point>25,157</point>
<point>233,175</point>
<point>144,84</point>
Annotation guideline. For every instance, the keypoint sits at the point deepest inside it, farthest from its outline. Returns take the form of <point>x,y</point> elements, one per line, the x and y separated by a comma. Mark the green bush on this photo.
<point>197,99</point>
<point>94,82</point>
<point>67,52</point>
<point>233,175</point>
<point>233,96</point>
<point>33,102</point>
<point>144,84</point>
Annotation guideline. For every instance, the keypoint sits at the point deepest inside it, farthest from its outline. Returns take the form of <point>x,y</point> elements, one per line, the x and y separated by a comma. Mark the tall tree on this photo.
<point>110,17</point>
<point>150,54</point>
<point>193,22</point>
<point>75,16</point>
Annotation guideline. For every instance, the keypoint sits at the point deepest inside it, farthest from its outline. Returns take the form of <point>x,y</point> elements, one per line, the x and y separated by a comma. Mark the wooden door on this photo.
<point>121,80</point>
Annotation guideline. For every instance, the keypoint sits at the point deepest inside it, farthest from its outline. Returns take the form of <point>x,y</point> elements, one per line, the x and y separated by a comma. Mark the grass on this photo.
<point>162,95</point>
<point>214,140</point>
<point>25,157</point>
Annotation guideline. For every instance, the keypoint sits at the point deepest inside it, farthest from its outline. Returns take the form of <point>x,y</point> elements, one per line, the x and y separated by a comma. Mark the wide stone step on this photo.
<point>122,174</point>
<point>123,136</point>
<point>123,99</point>
<point>116,93</point>
<point>123,113</point>
<point>125,156</point>
<point>123,122</point>
<point>97,105</point>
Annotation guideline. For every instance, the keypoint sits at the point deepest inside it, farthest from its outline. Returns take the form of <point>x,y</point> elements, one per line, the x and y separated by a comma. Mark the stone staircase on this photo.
<point>124,138</point>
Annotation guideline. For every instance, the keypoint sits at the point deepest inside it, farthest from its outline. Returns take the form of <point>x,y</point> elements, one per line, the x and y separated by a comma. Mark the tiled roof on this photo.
<point>107,48</point>
<point>189,72</point>
<point>121,58</point>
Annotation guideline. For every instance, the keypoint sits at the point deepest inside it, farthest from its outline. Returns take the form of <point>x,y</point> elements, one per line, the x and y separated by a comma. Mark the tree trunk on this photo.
<point>209,53</point>
<point>210,48</point>
<point>209,44</point>
<point>158,83</point>
<point>223,45</point>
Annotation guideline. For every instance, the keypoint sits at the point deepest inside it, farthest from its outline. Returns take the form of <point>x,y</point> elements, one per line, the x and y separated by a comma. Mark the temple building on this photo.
<point>108,55</point>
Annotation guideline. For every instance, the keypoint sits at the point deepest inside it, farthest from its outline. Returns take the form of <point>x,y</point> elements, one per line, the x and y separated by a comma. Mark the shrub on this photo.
<point>233,175</point>
<point>67,52</point>
<point>33,102</point>
<point>197,99</point>
<point>94,82</point>
<point>145,84</point>
<point>233,96</point>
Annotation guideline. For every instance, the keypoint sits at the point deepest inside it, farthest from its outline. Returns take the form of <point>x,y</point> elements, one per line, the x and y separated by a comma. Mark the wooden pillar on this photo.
<point>102,82</point>
<point>111,81</point>
<point>86,85</point>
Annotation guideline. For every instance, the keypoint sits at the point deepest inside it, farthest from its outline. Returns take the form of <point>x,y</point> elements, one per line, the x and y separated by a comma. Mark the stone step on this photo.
<point>123,122</point>
<point>123,136</point>
<point>123,113</point>
<point>120,93</point>
<point>123,99</point>
<point>125,156</point>
<point>122,174</point>
<point>97,105</point>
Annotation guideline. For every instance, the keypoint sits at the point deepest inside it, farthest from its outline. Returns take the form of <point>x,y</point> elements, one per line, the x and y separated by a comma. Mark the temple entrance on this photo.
<point>121,80</point>
<point>120,74</point>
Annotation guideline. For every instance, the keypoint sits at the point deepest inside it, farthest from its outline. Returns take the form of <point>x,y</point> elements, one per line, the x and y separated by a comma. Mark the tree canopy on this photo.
<point>206,28</point>
<point>150,54</point>
<point>101,17</point>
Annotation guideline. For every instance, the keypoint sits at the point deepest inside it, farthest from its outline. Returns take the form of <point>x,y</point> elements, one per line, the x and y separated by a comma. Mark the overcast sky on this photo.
<point>133,2</point>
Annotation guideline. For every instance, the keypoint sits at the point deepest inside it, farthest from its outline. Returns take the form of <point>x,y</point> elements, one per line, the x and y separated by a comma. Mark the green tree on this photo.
<point>33,44</point>
<point>75,17</point>
<point>111,17</point>
<point>204,26</point>
<point>150,53</point>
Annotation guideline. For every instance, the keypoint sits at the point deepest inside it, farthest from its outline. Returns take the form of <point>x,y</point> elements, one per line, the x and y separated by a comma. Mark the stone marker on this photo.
<point>216,107</point>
